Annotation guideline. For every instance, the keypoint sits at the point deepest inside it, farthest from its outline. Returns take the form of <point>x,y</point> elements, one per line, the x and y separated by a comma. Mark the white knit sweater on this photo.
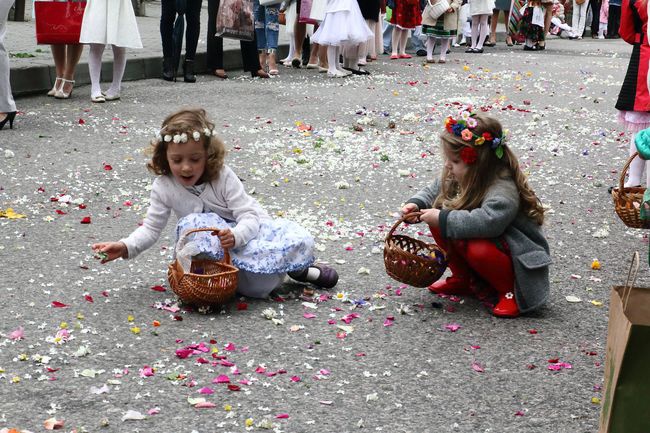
<point>225,197</point>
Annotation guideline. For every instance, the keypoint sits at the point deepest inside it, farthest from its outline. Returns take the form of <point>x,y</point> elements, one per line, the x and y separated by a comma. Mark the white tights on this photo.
<point>478,35</point>
<point>95,69</point>
<point>636,168</point>
<point>398,42</point>
<point>333,59</point>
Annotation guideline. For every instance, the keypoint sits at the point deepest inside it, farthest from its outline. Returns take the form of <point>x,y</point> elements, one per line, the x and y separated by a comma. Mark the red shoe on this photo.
<point>405,56</point>
<point>394,57</point>
<point>452,286</point>
<point>507,306</point>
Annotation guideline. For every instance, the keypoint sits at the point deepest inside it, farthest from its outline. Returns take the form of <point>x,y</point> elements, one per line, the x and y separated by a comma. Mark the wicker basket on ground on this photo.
<point>208,282</point>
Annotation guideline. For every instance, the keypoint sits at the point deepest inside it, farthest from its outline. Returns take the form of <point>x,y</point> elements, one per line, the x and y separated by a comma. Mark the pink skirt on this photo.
<point>634,121</point>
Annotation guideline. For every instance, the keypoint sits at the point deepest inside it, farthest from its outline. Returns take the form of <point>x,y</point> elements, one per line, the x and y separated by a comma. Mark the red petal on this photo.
<point>234,387</point>
<point>159,289</point>
<point>58,304</point>
<point>82,206</point>
<point>82,122</point>
<point>85,220</point>
<point>88,298</point>
<point>60,212</point>
<point>242,306</point>
<point>107,167</point>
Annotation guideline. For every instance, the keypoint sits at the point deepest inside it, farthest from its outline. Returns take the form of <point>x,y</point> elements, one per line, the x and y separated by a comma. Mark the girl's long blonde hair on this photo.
<point>470,192</point>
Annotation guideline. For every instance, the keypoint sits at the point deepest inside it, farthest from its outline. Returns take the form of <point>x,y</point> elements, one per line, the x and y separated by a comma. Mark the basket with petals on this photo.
<point>208,281</point>
<point>628,201</point>
<point>412,261</point>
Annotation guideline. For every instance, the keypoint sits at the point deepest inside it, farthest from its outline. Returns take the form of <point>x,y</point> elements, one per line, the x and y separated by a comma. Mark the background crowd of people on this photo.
<point>337,37</point>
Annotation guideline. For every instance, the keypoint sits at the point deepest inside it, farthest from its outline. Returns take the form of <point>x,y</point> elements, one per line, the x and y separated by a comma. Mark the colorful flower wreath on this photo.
<point>462,127</point>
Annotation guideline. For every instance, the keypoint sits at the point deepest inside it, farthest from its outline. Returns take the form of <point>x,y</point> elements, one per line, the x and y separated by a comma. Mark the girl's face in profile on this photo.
<point>187,161</point>
<point>456,166</point>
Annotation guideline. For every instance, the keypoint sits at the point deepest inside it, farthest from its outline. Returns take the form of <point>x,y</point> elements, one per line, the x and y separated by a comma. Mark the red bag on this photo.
<point>58,22</point>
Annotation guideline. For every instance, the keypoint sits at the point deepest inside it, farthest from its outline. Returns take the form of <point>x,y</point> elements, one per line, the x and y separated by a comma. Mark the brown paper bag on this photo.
<point>626,398</point>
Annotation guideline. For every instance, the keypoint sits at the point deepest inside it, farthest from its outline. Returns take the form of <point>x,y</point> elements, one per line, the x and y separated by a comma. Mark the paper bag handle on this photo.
<point>630,276</point>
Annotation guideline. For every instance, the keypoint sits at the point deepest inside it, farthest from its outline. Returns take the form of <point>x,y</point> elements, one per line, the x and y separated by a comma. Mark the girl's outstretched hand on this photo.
<point>410,208</point>
<point>226,238</point>
<point>109,251</point>
<point>431,217</point>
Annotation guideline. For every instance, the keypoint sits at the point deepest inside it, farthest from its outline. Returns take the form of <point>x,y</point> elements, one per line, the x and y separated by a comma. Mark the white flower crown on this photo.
<point>182,137</point>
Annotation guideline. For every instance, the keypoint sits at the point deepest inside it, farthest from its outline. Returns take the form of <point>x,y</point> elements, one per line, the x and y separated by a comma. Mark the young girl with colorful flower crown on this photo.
<point>202,191</point>
<point>484,214</point>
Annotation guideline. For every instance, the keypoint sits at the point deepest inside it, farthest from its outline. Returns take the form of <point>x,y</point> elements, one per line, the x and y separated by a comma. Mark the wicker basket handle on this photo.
<point>621,179</point>
<point>400,221</point>
<point>215,232</point>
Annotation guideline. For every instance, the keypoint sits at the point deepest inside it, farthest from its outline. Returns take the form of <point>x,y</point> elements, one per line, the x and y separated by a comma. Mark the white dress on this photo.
<point>110,22</point>
<point>343,25</point>
<point>481,7</point>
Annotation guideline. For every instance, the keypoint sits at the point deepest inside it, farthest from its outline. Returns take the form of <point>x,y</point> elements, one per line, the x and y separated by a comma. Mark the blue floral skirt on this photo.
<point>280,246</point>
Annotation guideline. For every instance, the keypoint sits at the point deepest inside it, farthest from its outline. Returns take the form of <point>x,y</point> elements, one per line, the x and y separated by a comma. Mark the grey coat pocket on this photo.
<point>534,259</point>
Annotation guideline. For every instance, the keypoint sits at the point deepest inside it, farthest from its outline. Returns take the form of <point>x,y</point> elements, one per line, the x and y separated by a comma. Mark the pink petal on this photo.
<point>17,334</point>
<point>230,347</point>
<point>205,405</point>
<point>222,378</point>
<point>295,379</point>
<point>260,369</point>
<point>388,321</point>
<point>205,390</point>
<point>153,411</point>
<point>477,367</point>
<point>159,288</point>
<point>184,353</point>
<point>245,382</point>
<point>53,424</point>
<point>453,327</point>
<point>282,416</point>
<point>309,315</point>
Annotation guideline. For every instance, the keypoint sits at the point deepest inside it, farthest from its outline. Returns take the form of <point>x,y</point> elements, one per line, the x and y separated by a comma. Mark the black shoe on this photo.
<point>296,62</point>
<point>490,44</point>
<point>541,47</point>
<point>10,118</point>
<point>478,50</point>
<point>188,71</point>
<point>421,53</point>
<point>357,71</point>
<point>530,48</point>
<point>168,69</point>
<point>470,50</point>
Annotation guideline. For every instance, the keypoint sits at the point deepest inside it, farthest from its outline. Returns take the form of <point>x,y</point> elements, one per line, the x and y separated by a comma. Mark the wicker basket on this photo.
<point>412,261</point>
<point>627,201</point>
<point>208,282</point>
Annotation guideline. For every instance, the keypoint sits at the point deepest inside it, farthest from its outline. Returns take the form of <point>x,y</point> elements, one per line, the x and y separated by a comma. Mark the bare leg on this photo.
<point>58,54</point>
<point>493,26</point>
<point>72,56</point>
<point>313,54</point>
<point>322,56</point>
<point>548,14</point>
<point>299,32</point>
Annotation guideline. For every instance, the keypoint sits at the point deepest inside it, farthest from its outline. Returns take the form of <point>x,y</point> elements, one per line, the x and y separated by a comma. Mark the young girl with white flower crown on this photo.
<point>202,191</point>
<point>484,214</point>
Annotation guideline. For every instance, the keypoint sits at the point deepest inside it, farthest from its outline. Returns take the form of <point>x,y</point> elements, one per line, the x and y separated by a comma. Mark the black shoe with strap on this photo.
<point>168,69</point>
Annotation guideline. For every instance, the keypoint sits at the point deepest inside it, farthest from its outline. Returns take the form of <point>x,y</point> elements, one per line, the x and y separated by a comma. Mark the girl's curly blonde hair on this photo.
<point>188,120</point>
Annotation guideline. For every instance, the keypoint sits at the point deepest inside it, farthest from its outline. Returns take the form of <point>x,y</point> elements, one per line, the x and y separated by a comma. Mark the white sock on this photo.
<point>95,68</point>
<point>313,273</point>
<point>484,30</point>
<point>119,65</point>
<point>332,59</point>
<point>636,167</point>
<point>430,44</point>
<point>475,30</point>
<point>444,46</point>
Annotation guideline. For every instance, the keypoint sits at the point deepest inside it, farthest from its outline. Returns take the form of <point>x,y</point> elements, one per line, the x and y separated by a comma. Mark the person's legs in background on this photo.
<point>214,54</point>
<point>167,17</point>
<point>192,32</point>
<point>95,71</point>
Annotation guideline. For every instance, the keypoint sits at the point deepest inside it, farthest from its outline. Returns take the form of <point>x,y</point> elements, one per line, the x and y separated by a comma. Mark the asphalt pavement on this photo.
<point>96,347</point>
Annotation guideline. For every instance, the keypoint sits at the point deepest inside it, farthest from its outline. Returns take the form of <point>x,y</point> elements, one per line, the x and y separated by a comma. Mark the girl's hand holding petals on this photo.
<point>226,238</point>
<point>109,251</point>
<point>431,217</point>
<point>410,208</point>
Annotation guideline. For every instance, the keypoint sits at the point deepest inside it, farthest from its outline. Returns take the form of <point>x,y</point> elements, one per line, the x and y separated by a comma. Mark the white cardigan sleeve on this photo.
<point>148,233</point>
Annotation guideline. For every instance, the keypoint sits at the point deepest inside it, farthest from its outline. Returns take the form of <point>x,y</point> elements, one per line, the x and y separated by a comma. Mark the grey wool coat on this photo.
<point>498,216</point>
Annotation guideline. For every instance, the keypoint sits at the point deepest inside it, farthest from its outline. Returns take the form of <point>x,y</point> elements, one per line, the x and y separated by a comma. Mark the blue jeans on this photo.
<point>267,27</point>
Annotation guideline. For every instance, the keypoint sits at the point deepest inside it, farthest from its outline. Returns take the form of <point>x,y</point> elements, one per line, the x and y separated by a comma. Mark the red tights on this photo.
<point>466,257</point>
